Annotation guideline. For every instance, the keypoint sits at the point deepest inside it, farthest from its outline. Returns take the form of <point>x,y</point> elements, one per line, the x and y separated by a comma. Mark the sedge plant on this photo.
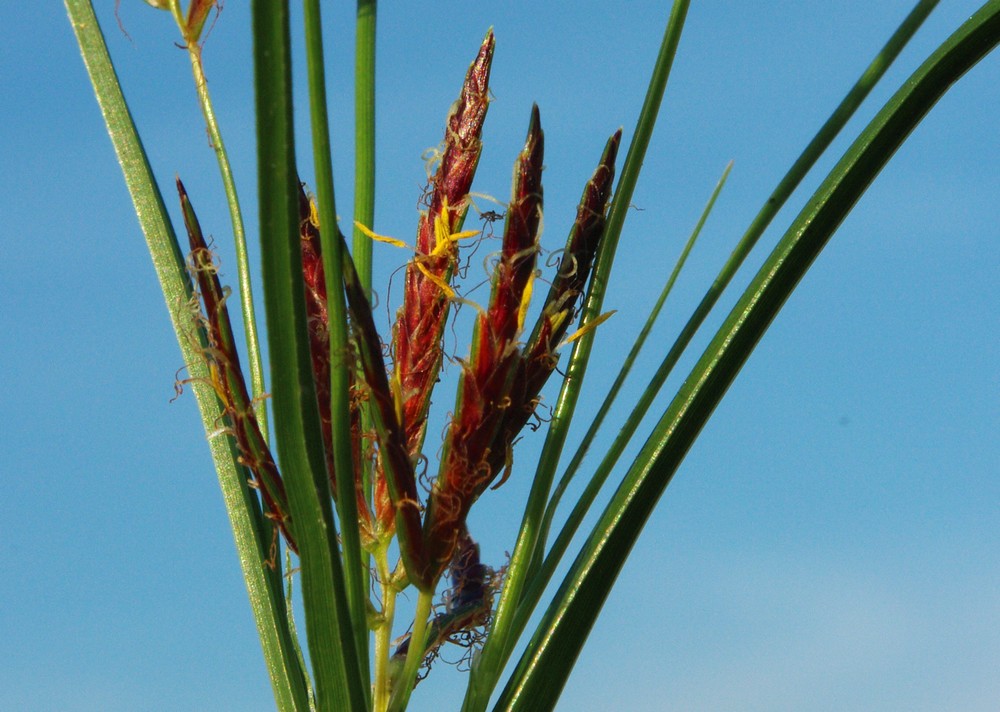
<point>339,484</point>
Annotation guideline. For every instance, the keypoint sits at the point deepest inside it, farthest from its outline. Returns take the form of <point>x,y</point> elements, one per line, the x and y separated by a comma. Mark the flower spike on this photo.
<point>227,377</point>
<point>317,322</point>
<point>420,322</point>
<point>538,358</point>
<point>488,377</point>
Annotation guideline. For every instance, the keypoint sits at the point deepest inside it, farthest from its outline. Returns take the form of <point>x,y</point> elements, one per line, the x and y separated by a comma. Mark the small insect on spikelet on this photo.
<point>500,382</point>
<point>226,375</point>
<point>420,322</point>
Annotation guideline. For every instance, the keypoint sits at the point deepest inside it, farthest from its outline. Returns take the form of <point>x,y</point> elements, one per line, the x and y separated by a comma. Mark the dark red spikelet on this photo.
<point>487,379</point>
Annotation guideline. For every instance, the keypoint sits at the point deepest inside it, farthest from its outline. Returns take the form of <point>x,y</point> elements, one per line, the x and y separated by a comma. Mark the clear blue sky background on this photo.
<point>829,544</point>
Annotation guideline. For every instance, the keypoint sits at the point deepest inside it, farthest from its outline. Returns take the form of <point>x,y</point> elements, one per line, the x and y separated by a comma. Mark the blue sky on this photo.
<point>829,543</point>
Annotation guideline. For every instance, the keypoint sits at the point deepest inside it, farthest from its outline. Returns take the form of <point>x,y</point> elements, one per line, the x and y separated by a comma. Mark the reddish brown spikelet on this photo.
<point>227,376</point>
<point>317,322</point>
<point>578,257</point>
<point>487,379</point>
<point>539,358</point>
<point>421,320</point>
<point>396,468</point>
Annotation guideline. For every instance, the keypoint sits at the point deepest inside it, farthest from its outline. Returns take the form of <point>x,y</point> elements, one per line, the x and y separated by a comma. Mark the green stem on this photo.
<point>263,584</point>
<point>544,668</point>
<point>239,239</point>
<point>403,686</point>
<point>543,566</point>
<point>290,616</point>
<point>383,631</point>
<point>875,70</point>
<point>623,373</point>
<point>340,674</point>
<point>364,187</point>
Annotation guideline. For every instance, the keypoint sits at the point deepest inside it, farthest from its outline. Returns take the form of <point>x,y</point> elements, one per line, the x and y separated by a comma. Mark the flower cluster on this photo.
<point>500,381</point>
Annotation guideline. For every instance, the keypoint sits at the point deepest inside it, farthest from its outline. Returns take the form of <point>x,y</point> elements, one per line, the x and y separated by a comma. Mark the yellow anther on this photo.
<point>449,292</point>
<point>589,327</point>
<point>397,395</point>
<point>215,376</point>
<point>522,309</point>
<point>379,238</point>
<point>557,319</point>
<point>444,237</point>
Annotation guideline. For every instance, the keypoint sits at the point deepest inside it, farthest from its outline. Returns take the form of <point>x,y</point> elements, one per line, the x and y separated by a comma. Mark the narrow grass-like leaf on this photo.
<point>338,680</point>
<point>290,615</point>
<point>779,196</point>
<point>543,565</point>
<point>364,185</point>
<point>263,584</point>
<point>545,666</point>
<point>364,138</point>
<point>819,143</point>
<point>340,365</point>
<point>542,568</point>
<point>541,576</point>
<point>777,199</point>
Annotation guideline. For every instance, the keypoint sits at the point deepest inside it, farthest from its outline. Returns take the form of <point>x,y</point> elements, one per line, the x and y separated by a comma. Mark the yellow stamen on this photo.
<point>215,376</point>
<point>397,395</point>
<point>379,238</point>
<point>444,237</point>
<point>449,292</point>
<point>522,309</point>
<point>589,327</point>
<point>557,320</point>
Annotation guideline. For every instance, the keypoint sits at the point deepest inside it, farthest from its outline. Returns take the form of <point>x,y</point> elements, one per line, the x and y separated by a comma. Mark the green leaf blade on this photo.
<point>263,584</point>
<point>354,558</point>
<point>337,676</point>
